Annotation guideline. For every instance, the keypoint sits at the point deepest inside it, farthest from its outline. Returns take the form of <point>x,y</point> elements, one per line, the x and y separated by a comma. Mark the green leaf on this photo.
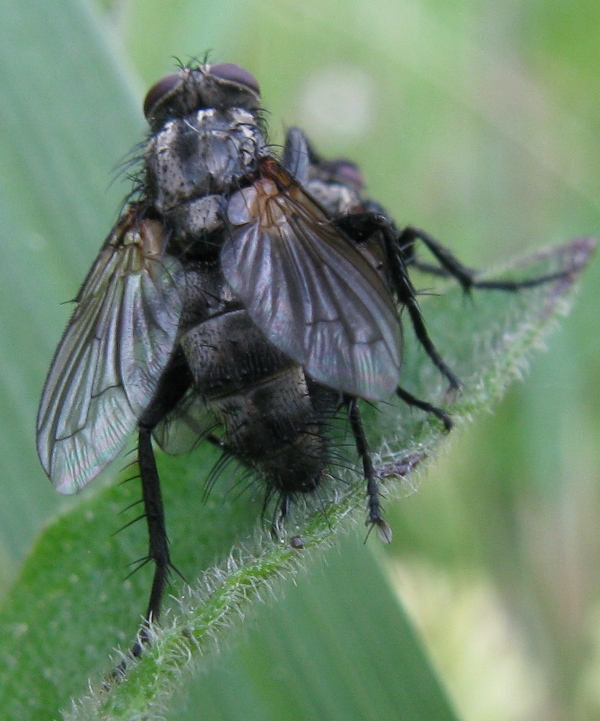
<point>68,114</point>
<point>73,574</point>
<point>336,647</point>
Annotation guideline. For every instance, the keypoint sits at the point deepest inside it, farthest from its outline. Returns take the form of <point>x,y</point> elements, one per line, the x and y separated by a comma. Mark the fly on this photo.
<point>243,299</point>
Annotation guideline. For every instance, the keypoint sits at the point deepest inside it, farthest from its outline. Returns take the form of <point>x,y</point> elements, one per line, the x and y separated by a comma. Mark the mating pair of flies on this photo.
<point>243,298</point>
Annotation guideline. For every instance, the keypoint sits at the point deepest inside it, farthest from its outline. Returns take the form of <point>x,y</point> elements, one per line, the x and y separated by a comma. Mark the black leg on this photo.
<point>411,400</point>
<point>408,297</point>
<point>398,250</point>
<point>516,285</point>
<point>451,266</point>
<point>158,543</point>
<point>374,504</point>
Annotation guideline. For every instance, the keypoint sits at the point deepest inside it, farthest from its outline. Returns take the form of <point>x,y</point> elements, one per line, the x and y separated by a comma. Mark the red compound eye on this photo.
<point>159,90</point>
<point>235,74</point>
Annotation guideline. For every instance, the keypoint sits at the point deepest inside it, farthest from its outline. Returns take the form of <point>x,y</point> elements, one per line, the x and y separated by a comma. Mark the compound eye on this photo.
<point>235,74</point>
<point>159,90</point>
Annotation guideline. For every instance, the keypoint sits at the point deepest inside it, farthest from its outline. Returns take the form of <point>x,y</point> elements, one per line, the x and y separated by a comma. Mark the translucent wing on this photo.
<point>185,426</point>
<point>309,289</point>
<point>107,366</point>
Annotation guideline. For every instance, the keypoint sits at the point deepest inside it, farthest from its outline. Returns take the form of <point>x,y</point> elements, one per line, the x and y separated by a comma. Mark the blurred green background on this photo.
<point>478,121</point>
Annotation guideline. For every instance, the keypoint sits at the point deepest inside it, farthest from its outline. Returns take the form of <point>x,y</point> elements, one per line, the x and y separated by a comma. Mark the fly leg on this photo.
<point>450,266</point>
<point>158,546</point>
<point>175,381</point>
<point>411,400</point>
<point>374,504</point>
<point>362,226</point>
<point>158,543</point>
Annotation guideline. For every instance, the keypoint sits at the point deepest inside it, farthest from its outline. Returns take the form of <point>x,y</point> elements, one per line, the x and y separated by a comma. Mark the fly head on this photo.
<point>206,138</point>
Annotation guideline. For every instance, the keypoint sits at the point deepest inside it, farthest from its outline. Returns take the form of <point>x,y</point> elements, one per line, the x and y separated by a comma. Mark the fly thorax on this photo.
<point>205,153</point>
<point>336,198</point>
<point>192,224</point>
<point>207,295</point>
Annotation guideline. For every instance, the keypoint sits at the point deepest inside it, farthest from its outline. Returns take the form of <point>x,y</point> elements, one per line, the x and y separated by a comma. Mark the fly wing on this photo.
<point>186,426</point>
<point>107,366</point>
<point>309,289</point>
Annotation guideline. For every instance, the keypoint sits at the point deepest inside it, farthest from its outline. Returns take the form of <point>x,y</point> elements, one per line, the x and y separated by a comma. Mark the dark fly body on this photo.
<point>243,299</point>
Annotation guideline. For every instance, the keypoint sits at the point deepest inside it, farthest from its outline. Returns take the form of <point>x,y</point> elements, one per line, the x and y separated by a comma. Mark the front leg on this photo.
<point>450,266</point>
<point>361,227</point>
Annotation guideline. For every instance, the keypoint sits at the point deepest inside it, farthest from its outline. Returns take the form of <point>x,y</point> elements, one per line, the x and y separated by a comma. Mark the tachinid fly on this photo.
<point>243,299</point>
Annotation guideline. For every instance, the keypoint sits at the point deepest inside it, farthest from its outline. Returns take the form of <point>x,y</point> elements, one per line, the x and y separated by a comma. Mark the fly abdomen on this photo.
<point>228,353</point>
<point>273,417</point>
<point>272,426</point>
